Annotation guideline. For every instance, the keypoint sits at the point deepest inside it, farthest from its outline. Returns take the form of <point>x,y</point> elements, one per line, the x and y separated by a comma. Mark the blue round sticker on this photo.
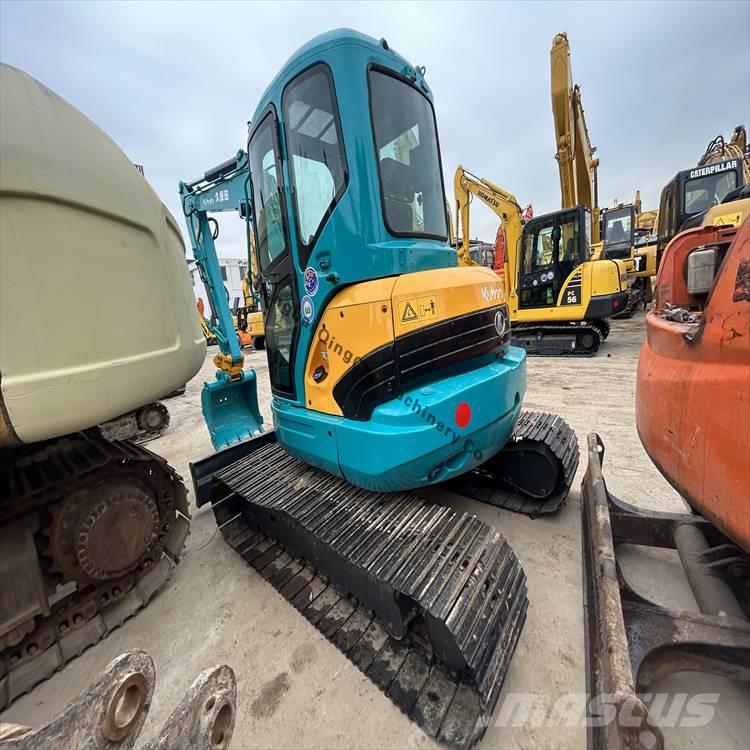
<point>311,281</point>
<point>308,309</point>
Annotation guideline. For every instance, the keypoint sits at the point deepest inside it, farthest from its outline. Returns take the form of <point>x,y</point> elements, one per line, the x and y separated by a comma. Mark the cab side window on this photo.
<point>315,151</point>
<point>569,242</point>
<point>269,214</point>
<point>538,249</point>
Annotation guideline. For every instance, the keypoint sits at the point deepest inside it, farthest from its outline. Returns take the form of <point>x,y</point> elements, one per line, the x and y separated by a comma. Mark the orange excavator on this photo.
<point>693,418</point>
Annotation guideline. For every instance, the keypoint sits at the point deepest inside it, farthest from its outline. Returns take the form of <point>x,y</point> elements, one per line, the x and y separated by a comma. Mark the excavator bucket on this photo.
<point>630,640</point>
<point>230,409</point>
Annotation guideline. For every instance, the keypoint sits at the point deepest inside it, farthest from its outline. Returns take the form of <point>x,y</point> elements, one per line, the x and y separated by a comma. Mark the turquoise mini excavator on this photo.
<point>391,370</point>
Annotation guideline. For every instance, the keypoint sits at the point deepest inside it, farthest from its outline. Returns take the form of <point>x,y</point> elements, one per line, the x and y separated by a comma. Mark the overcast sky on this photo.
<point>174,83</point>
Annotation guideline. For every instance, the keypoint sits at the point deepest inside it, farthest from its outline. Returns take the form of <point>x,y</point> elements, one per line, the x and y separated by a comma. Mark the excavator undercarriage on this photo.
<point>578,338</point>
<point>91,529</point>
<point>144,424</point>
<point>429,602</point>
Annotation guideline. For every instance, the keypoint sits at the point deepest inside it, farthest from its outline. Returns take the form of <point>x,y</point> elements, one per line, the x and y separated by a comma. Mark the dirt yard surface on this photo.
<point>295,690</point>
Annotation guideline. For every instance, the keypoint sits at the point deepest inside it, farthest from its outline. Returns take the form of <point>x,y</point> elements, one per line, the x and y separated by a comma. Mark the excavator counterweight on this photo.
<point>92,524</point>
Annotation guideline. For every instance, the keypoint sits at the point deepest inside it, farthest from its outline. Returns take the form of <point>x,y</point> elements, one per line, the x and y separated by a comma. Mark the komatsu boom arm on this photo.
<point>575,154</point>
<point>502,203</point>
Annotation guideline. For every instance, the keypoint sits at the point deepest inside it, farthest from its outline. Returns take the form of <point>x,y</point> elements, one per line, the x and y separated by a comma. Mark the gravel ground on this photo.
<point>295,690</point>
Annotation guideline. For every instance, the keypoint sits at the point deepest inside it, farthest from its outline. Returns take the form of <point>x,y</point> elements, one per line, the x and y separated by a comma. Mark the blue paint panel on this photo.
<point>413,441</point>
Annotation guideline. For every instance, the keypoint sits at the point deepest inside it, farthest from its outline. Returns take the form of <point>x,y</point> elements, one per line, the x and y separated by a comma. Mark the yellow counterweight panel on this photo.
<point>357,321</point>
<point>369,315</point>
<point>607,277</point>
<point>649,253</point>
<point>727,213</point>
<point>428,297</point>
<point>255,324</point>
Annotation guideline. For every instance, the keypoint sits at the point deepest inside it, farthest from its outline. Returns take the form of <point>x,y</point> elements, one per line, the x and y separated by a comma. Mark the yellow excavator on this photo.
<point>714,192</point>
<point>558,298</point>
<point>250,317</point>
<point>614,230</point>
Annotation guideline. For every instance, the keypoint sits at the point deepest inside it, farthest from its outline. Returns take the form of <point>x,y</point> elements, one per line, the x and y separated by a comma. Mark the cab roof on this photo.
<point>316,49</point>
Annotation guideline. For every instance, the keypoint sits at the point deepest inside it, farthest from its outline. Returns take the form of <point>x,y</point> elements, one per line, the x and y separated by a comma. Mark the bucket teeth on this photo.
<point>427,601</point>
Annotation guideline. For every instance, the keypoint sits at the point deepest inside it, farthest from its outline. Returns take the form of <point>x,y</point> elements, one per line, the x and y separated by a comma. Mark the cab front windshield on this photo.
<point>701,193</point>
<point>618,226</point>
<point>408,160</point>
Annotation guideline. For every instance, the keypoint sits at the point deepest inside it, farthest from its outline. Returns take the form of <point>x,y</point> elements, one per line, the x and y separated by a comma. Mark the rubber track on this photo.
<point>560,334</point>
<point>460,586</point>
<point>66,633</point>
<point>538,428</point>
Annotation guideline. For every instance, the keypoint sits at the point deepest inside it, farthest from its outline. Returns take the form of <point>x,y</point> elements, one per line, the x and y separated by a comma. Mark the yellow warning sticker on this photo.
<point>407,311</point>
<point>427,308</point>
<point>727,219</point>
<point>417,310</point>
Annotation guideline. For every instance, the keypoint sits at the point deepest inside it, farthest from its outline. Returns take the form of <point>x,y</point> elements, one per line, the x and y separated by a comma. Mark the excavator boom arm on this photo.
<point>501,202</point>
<point>575,154</point>
<point>223,188</point>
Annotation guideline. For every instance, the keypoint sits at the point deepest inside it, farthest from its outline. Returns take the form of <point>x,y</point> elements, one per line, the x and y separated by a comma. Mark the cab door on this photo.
<point>276,269</point>
<point>539,284</point>
<point>553,247</point>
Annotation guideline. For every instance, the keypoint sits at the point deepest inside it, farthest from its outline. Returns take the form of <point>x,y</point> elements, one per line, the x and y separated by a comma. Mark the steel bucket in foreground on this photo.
<point>230,408</point>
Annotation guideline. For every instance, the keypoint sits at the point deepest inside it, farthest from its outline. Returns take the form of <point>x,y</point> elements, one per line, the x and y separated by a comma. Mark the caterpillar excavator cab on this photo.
<point>559,300</point>
<point>391,369</point>
<point>690,194</point>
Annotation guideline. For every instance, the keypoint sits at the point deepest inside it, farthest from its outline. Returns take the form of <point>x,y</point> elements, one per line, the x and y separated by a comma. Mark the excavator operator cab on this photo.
<point>346,186</point>
<point>618,226</point>
<point>553,245</point>
<point>691,193</point>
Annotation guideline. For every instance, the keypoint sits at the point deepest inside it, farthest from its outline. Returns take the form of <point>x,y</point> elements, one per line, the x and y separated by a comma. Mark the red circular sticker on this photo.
<point>463,414</point>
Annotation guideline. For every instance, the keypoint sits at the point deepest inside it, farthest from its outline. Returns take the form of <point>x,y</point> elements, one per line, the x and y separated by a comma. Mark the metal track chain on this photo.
<point>461,592</point>
<point>550,332</point>
<point>81,619</point>
<point>535,430</point>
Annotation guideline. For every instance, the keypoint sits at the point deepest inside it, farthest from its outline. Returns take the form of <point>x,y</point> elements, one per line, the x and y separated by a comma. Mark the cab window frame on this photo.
<point>375,67</point>
<point>306,248</point>
<point>716,177</point>
<point>270,112</point>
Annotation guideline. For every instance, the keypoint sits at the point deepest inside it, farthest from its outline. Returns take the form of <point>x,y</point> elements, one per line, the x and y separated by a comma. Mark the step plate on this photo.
<point>427,601</point>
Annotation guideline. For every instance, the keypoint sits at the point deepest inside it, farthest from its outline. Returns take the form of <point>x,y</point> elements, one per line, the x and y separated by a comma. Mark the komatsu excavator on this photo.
<point>613,230</point>
<point>558,299</point>
<point>391,370</point>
